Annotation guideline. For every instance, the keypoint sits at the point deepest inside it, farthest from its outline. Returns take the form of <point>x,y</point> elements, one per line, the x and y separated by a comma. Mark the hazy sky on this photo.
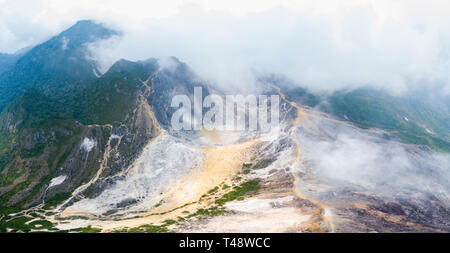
<point>318,44</point>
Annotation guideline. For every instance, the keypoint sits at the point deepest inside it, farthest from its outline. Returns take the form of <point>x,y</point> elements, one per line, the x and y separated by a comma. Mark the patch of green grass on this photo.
<point>237,178</point>
<point>247,165</point>
<point>88,229</point>
<point>212,211</point>
<point>16,224</point>
<point>239,191</point>
<point>224,187</point>
<point>36,215</point>
<point>136,230</point>
<point>154,229</point>
<point>149,228</point>
<point>41,224</point>
<point>122,230</point>
<point>159,203</point>
<point>169,222</point>
<point>57,199</point>
<point>213,190</point>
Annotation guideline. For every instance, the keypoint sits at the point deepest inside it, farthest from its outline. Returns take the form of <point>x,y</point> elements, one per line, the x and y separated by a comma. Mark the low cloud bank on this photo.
<point>352,157</point>
<point>323,53</point>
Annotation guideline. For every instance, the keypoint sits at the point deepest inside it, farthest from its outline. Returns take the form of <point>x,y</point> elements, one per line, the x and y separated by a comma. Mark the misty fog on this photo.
<point>351,157</point>
<point>323,45</point>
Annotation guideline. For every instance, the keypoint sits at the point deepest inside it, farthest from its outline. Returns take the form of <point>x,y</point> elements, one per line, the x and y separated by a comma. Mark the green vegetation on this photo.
<point>212,211</point>
<point>107,100</point>
<point>236,194</point>
<point>246,168</point>
<point>237,178</point>
<point>411,117</point>
<point>304,97</point>
<point>145,229</point>
<point>213,190</point>
<point>88,229</point>
<point>44,99</point>
<point>54,135</point>
<point>371,109</point>
<point>159,203</point>
<point>169,222</point>
<point>50,125</point>
<point>176,208</point>
<point>36,215</point>
<point>16,225</point>
<point>42,224</point>
<point>122,230</point>
<point>58,199</point>
<point>23,224</point>
<point>239,191</point>
<point>247,165</point>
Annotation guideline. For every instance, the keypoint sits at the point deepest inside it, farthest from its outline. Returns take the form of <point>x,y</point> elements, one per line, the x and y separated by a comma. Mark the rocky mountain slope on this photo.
<point>82,151</point>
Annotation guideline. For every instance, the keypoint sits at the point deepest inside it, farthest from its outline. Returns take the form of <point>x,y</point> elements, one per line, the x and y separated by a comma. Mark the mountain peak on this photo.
<point>85,31</point>
<point>55,65</point>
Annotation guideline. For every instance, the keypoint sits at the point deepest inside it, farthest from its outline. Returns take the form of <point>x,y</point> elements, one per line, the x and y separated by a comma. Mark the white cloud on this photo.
<point>350,157</point>
<point>319,44</point>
